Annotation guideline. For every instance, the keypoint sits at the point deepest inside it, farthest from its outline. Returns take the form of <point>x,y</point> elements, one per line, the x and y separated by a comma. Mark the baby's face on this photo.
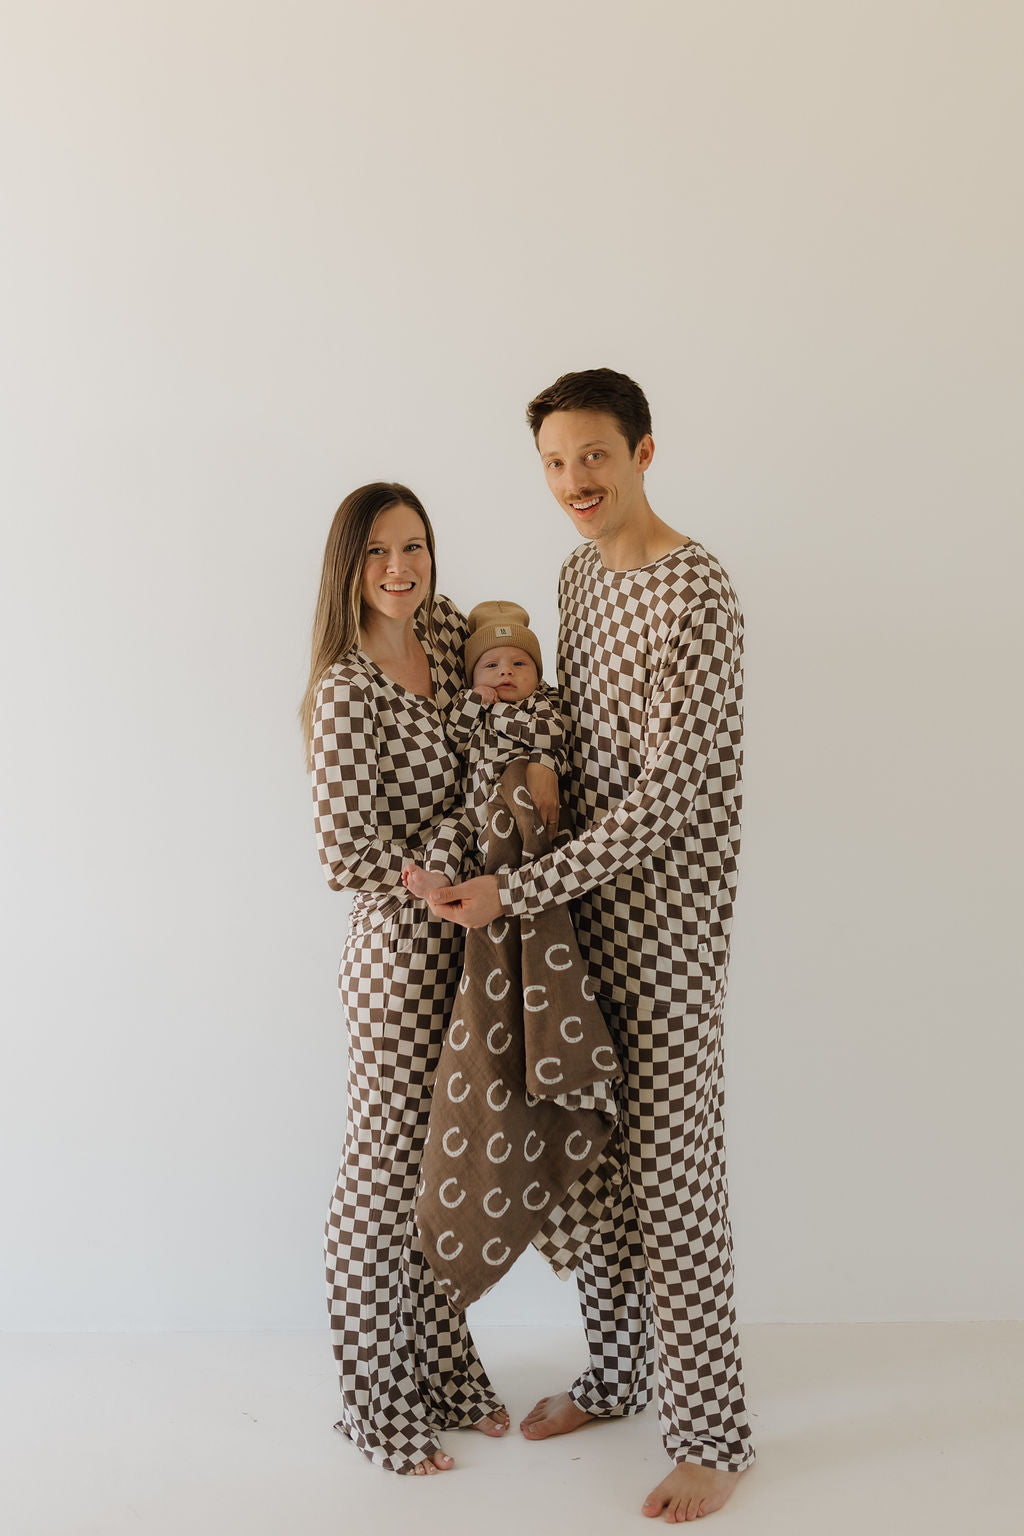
<point>508,669</point>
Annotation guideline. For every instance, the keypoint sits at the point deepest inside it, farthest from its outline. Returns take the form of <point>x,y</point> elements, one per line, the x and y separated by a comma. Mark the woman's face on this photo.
<point>396,574</point>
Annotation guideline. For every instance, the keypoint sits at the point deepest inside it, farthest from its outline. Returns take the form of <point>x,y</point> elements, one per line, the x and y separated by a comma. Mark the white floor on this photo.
<point>894,1430</point>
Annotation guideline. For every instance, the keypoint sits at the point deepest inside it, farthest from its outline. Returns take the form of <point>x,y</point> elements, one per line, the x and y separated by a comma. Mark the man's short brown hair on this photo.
<point>595,389</point>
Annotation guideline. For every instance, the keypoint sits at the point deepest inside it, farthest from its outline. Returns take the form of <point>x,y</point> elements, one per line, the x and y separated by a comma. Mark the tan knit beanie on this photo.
<point>492,624</point>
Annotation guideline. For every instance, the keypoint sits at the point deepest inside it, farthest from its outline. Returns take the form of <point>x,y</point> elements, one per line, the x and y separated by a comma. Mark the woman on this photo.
<point>386,665</point>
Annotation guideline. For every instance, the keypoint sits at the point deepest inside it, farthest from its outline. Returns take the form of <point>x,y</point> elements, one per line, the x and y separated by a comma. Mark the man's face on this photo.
<point>591,472</point>
<point>508,669</point>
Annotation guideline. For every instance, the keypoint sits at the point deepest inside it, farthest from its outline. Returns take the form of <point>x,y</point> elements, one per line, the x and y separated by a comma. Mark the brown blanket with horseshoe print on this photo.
<point>523,1104</point>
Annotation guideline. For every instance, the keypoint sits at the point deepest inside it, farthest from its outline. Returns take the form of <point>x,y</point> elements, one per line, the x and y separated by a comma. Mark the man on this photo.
<point>650,668</point>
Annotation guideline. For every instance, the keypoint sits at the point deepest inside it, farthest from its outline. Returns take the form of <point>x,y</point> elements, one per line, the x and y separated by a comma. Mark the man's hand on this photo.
<point>543,786</point>
<point>473,904</point>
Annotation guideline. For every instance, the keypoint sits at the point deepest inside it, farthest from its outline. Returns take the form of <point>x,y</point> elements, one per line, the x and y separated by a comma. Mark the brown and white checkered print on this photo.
<point>490,737</point>
<point>650,667</point>
<point>384,781</point>
<point>487,739</point>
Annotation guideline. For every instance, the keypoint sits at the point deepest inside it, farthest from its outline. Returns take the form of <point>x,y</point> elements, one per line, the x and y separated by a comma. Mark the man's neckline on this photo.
<point>633,570</point>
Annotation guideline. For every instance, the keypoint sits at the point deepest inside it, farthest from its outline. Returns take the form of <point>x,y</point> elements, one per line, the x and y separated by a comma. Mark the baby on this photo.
<point>507,712</point>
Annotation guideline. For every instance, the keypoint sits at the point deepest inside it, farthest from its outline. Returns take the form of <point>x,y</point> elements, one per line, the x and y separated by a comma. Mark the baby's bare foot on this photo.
<point>421,881</point>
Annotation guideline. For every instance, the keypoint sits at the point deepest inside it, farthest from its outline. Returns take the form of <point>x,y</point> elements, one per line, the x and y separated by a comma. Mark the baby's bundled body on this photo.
<point>506,712</point>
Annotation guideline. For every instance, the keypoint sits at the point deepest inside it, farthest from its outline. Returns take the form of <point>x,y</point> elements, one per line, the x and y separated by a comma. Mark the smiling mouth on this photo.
<point>397,586</point>
<point>581,508</point>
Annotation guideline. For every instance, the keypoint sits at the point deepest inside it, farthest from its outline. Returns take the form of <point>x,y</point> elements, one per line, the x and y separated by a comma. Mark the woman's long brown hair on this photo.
<point>338,613</point>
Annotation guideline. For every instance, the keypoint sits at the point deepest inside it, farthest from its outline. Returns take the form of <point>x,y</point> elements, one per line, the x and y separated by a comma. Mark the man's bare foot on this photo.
<point>689,1492</point>
<point>420,881</point>
<point>439,1462</point>
<point>556,1415</point>
<point>496,1423</point>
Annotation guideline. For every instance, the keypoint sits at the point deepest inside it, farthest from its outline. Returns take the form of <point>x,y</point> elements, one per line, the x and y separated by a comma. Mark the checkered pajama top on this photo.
<point>488,738</point>
<point>385,780</point>
<point>650,668</point>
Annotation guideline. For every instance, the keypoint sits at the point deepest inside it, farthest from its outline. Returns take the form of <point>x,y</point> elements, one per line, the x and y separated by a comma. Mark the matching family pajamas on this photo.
<point>650,670</point>
<point>650,667</point>
<point>385,789</point>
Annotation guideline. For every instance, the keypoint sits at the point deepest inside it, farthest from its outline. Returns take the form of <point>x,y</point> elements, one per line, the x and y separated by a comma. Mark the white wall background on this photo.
<point>256,254</point>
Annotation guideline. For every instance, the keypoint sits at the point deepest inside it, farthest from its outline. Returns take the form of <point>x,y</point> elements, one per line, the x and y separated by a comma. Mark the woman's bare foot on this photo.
<point>420,881</point>
<point>439,1462</point>
<point>689,1492</point>
<point>556,1415</point>
<point>496,1423</point>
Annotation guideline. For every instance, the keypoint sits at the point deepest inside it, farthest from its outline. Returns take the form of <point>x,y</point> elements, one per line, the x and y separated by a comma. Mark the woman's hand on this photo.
<point>542,784</point>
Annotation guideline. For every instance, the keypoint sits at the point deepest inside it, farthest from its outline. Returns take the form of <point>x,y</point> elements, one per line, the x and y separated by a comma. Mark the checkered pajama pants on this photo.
<point>665,1247</point>
<point>407,1363</point>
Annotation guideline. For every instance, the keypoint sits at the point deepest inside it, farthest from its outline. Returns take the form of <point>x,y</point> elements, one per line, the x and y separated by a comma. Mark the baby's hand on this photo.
<point>420,881</point>
<point>487,696</point>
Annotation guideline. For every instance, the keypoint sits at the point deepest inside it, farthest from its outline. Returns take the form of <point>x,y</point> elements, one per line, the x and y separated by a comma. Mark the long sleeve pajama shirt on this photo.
<point>650,668</point>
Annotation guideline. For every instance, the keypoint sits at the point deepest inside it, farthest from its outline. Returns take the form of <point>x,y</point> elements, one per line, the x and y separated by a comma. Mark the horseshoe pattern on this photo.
<point>498,828</point>
<point>497,1190</point>
<point>497,1050</point>
<point>577,1156</point>
<point>499,1082</point>
<point>457,1098</point>
<point>451,1204</point>
<point>611,1065</point>
<point>536,1002</point>
<point>454,1253</point>
<point>453,1130</point>
<point>496,997</point>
